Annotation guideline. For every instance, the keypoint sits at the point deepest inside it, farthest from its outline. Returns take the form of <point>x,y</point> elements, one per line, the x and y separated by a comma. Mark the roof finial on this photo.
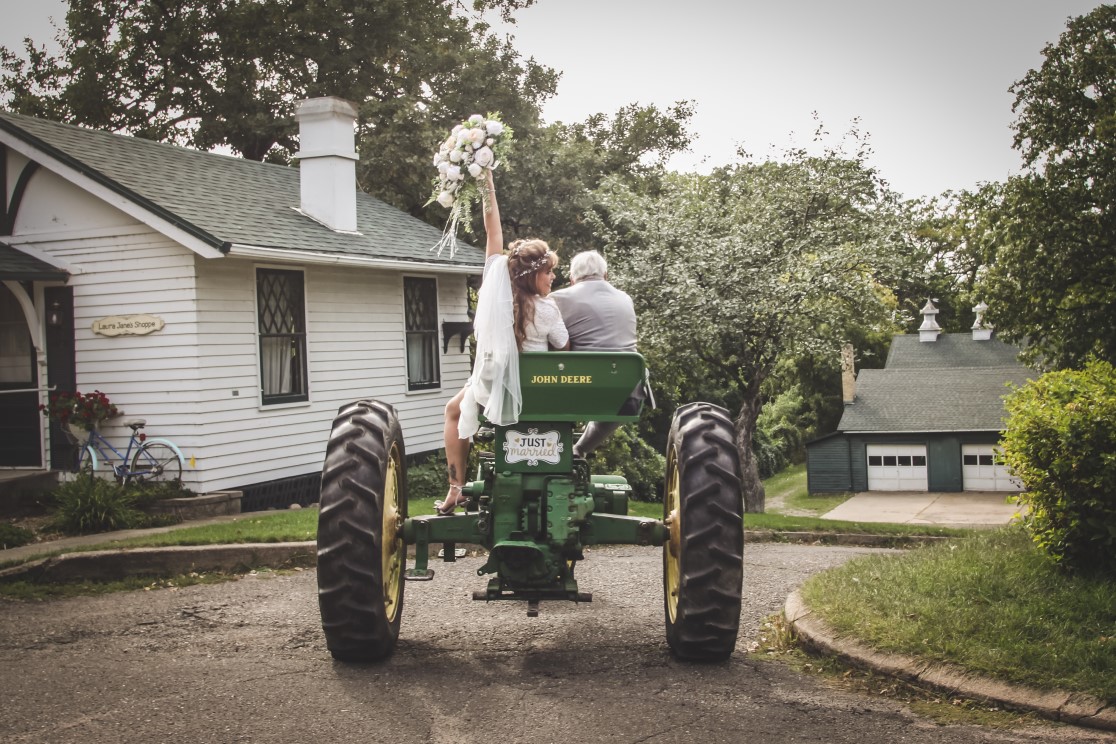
<point>981,331</point>
<point>929,329</point>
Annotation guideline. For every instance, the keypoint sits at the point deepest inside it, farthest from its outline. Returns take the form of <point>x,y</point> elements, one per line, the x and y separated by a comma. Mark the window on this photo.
<point>420,307</point>
<point>281,309</point>
<point>17,353</point>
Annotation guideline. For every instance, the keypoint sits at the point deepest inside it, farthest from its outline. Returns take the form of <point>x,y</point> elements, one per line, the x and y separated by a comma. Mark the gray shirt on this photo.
<point>598,316</point>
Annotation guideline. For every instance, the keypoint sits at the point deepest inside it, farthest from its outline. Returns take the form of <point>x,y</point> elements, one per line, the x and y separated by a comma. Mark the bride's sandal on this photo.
<point>447,507</point>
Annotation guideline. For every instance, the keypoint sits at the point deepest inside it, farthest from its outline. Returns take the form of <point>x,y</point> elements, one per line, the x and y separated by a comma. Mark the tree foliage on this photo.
<point>1061,442</point>
<point>230,73</point>
<point>732,270</point>
<point>548,186</point>
<point>1051,276</point>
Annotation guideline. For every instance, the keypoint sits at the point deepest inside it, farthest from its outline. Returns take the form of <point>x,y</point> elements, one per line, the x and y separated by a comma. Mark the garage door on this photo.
<point>981,470</point>
<point>896,467</point>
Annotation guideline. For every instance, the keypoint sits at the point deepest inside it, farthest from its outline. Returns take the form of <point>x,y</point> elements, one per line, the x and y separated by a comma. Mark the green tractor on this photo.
<point>533,508</point>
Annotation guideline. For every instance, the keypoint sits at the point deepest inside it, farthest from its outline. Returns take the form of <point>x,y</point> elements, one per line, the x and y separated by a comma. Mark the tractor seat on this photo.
<point>579,385</point>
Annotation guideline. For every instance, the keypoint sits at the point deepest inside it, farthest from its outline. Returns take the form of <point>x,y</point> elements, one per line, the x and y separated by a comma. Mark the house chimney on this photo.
<point>327,162</point>
<point>848,374</point>
<point>981,331</point>
<point>929,330</point>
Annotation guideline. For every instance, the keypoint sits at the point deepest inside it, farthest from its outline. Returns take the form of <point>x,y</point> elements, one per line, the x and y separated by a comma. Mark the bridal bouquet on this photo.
<point>473,147</point>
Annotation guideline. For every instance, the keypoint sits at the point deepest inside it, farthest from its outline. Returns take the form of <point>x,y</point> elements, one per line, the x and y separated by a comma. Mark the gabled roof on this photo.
<point>17,265</point>
<point>228,202</point>
<point>957,350</point>
<point>938,400</point>
<point>952,384</point>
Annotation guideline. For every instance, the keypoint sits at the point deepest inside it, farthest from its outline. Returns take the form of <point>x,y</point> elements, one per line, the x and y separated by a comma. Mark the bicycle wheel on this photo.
<point>85,460</point>
<point>155,462</point>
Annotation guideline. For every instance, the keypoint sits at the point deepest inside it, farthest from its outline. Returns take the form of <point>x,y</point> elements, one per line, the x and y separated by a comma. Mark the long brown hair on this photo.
<point>527,258</point>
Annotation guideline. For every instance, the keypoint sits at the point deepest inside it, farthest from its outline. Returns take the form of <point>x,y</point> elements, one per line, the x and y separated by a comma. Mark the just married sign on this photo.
<point>532,447</point>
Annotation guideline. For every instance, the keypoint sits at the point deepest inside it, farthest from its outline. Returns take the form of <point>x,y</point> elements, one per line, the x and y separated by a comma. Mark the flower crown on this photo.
<point>535,265</point>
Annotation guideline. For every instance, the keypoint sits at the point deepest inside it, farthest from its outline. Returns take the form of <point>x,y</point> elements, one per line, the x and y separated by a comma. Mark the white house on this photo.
<point>275,299</point>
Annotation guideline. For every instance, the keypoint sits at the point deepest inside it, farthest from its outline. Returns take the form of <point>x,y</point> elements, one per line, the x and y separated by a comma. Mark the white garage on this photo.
<point>896,467</point>
<point>982,470</point>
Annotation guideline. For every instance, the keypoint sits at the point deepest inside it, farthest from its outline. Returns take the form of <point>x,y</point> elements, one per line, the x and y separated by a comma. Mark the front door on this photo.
<point>20,421</point>
<point>58,303</point>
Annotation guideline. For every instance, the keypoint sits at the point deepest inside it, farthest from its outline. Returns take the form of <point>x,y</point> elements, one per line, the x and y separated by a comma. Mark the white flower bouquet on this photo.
<point>474,146</point>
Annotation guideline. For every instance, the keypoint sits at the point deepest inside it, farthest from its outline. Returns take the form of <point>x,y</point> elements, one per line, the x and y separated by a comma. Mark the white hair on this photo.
<point>588,265</point>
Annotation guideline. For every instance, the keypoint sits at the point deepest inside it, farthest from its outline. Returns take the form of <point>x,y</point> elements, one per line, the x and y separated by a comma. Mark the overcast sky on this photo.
<point>928,81</point>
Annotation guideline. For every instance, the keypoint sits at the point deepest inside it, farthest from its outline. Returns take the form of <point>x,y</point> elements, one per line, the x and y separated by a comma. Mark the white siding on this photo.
<point>355,342</point>
<point>132,270</point>
<point>51,205</point>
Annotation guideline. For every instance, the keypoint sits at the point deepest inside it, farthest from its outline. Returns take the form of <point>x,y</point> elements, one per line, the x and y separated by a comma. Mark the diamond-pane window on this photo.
<point>281,308</point>
<point>420,308</point>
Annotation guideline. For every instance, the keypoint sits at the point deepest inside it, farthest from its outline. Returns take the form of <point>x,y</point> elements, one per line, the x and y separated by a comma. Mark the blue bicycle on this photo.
<point>155,460</point>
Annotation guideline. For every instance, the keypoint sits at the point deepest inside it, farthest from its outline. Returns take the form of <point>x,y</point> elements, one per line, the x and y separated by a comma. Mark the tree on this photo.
<point>1051,279</point>
<point>548,186</point>
<point>951,237</point>
<point>732,270</point>
<point>230,73</point>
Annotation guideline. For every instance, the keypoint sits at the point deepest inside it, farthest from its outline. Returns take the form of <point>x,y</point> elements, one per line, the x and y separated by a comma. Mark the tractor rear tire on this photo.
<point>703,559</point>
<point>361,553</point>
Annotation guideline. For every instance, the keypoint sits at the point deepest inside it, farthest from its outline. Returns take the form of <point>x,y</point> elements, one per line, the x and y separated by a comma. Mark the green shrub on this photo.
<point>426,479</point>
<point>1061,442</point>
<point>89,504</point>
<point>626,453</point>
<point>778,437</point>
<point>148,493</point>
<point>12,536</point>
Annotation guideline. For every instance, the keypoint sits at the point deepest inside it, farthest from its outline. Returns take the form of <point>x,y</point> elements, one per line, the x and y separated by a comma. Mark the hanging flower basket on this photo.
<point>78,413</point>
<point>77,434</point>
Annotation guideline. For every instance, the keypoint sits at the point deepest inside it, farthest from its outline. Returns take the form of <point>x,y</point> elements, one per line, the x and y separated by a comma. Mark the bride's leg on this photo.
<point>457,450</point>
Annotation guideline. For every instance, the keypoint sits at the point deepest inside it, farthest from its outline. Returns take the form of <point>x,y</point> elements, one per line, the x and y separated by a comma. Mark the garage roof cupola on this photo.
<point>929,330</point>
<point>327,162</point>
<point>982,331</point>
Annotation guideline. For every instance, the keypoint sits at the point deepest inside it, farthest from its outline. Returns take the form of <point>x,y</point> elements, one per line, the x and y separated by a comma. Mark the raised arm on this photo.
<point>492,226</point>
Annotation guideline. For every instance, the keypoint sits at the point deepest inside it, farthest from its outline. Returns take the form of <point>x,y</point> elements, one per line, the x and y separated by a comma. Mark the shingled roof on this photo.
<point>15,264</point>
<point>950,350</point>
<point>952,384</point>
<point>226,201</point>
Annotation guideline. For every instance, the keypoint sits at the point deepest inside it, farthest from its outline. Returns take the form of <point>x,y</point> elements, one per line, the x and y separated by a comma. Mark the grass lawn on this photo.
<point>990,603</point>
<point>786,493</point>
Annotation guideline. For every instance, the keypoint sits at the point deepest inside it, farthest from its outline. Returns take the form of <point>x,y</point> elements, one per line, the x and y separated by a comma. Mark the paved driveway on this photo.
<point>969,509</point>
<point>245,661</point>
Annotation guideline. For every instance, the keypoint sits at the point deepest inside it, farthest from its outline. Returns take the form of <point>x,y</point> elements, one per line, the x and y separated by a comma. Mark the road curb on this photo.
<point>843,538</point>
<point>107,565</point>
<point>1072,708</point>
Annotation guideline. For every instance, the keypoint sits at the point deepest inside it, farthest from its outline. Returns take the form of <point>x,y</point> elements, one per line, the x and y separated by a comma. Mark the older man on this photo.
<point>599,317</point>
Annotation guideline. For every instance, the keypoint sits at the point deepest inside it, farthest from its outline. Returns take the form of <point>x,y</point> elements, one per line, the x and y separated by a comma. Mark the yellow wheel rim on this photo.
<point>393,555</point>
<point>673,547</point>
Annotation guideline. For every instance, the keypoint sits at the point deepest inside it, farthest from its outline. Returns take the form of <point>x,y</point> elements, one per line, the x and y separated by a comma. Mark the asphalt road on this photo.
<point>245,661</point>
